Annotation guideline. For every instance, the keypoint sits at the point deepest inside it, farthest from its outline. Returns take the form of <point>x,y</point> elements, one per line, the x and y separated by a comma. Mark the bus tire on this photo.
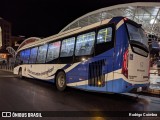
<point>20,76</point>
<point>61,81</point>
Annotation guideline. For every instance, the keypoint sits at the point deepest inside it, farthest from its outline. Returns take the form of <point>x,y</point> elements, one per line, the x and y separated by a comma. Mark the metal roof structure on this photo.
<point>28,41</point>
<point>145,13</point>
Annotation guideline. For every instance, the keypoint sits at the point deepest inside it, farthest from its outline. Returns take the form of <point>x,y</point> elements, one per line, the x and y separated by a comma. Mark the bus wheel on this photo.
<point>61,81</point>
<point>20,73</point>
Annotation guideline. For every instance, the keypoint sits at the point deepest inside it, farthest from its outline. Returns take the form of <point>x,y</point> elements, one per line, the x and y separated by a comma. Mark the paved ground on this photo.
<point>34,95</point>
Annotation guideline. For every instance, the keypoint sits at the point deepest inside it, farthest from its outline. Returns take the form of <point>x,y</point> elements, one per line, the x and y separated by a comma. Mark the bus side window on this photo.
<point>42,51</point>
<point>104,35</point>
<point>67,48</point>
<point>27,55</point>
<point>22,56</point>
<point>33,55</point>
<point>53,51</point>
<point>85,44</point>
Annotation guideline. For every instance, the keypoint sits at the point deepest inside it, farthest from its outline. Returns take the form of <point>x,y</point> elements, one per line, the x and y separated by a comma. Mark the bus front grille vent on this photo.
<point>95,75</point>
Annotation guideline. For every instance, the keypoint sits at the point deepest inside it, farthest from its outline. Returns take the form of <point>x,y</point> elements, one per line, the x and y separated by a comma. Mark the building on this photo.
<point>16,41</point>
<point>5,35</point>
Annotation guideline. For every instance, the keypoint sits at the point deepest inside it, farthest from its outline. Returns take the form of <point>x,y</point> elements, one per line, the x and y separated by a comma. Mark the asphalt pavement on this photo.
<point>36,95</point>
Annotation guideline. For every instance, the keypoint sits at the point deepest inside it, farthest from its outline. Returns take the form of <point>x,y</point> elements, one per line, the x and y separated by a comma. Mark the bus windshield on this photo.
<point>138,38</point>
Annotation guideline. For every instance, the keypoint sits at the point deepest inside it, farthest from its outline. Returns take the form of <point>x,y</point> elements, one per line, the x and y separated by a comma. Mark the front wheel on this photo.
<point>61,81</point>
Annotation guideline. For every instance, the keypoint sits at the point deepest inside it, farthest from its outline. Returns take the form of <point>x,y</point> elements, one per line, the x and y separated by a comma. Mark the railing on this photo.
<point>6,67</point>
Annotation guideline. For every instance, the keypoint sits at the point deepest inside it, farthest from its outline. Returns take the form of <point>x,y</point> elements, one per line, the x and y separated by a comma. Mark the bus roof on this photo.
<point>65,34</point>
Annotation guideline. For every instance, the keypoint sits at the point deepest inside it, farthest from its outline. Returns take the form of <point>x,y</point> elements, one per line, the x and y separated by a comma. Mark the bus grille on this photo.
<point>95,75</point>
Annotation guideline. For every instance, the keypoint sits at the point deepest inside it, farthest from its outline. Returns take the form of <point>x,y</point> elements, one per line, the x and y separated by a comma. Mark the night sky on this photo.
<point>42,18</point>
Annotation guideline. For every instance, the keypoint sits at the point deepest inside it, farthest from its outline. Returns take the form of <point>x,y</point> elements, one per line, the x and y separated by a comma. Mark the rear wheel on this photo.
<point>61,81</point>
<point>20,76</point>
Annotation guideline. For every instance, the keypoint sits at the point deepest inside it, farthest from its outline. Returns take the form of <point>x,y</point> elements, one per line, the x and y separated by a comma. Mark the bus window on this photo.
<point>26,57</point>
<point>33,55</point>
<point>22,55</point>
<point>67,48</point>
<point>42,51</point>
<point>104,35</point>
<point>53,51</point>
<point>85,44</point>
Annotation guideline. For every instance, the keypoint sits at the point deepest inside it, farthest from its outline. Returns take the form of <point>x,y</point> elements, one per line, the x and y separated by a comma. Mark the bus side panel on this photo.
<point>37,71</point>
<point>109,74</point>
<point>106,59</point>
<point>79,76</point>
<point>16,69</point>
<point>40,71</point>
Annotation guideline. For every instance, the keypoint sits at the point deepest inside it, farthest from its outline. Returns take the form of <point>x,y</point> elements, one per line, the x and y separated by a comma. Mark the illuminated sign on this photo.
<point>3,56</point>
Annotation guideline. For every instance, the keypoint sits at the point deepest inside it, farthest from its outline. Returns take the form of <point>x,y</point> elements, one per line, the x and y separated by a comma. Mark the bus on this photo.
<point>108,56</point>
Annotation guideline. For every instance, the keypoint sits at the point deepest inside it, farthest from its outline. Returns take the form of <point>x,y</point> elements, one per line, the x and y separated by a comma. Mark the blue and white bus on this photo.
<point>108,56</point>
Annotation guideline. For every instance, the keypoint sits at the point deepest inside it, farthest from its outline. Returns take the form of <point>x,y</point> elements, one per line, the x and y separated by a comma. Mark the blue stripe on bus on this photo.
<point>116,20</point>
<point>66,66</point>
<point>122,44</point>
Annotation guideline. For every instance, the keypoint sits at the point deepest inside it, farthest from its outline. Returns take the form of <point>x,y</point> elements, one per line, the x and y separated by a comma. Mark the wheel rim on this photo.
<point>61,81</point>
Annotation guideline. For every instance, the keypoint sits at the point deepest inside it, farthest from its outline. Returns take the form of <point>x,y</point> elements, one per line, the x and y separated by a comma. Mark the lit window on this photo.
<point>33,55</point>
<point>53,51</point>
<point>85,44</point>
<point>104,35</point>
<point>67,47</point>
<point>42,51</point>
